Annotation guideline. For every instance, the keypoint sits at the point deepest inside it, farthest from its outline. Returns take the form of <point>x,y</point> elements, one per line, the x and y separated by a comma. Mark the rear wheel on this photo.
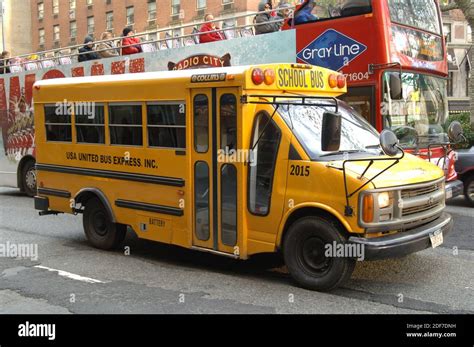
<point>28,178</point>
<point>469,190</point>
<point>100,231</point>
<point>304,251</point>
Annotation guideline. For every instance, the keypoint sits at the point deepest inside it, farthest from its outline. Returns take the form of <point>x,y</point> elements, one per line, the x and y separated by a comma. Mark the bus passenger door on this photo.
<point>215,173</point>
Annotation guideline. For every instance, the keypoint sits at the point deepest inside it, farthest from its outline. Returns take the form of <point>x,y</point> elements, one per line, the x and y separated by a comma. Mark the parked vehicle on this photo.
<point>465,170</point>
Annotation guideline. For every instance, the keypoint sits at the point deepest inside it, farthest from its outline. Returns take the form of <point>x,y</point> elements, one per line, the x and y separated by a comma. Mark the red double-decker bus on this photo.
<point>393,55</point>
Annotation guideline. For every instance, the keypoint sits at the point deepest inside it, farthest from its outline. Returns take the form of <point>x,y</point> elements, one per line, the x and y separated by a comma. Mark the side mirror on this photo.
<point>389,143</point>
<point>331,132</point>
<point>396,91</point>
<point>455,132</point>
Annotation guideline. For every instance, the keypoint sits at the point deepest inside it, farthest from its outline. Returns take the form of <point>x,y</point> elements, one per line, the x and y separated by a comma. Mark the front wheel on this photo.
<point>28,178</point>
<point>304,251</point>
<point>100,231</point>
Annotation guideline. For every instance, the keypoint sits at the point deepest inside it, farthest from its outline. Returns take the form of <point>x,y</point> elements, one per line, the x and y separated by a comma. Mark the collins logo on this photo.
<point>213,77</point>
<point>331,50</point>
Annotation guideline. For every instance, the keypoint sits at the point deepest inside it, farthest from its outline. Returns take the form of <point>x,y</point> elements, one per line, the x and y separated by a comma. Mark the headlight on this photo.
<point>384,200</point>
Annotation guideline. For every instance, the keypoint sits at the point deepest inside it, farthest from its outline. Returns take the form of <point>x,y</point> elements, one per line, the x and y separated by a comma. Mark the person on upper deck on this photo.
<point>305,13</point>
<point>208,31</point>
<point>264,22</point>
<point>130,45</point>
<point>87,52</point>
<point>5,61</point>
<point>107,49</point>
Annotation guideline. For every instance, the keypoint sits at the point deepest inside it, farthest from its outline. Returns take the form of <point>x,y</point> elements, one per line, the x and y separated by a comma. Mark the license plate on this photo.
<point>449,193</point>
<point>436,239</point>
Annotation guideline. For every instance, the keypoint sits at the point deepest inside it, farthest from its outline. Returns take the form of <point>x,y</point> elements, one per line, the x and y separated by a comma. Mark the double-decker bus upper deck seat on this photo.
<point>356,7</point>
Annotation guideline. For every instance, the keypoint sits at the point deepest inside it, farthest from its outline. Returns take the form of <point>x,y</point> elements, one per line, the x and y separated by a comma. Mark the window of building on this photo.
<point>56,33</point>
<point>55,6</point>
<point>126,124</point>
<point>109,21</point>
<point>90,125</point>
<point>41,36</point>
<point>447,31</point>
<point>90,25</point>
<point>73,29</point>
<point>450,83</point>
<point>58,124</point>
<point>467,85</point>
<point>175,7</point>
<point>90,2</point>
<point>72,4</point>
<point>201,4</point>
<point>151,10</point>
<point>130,15</point>
<point>166,125</point>
<point>41,10</point>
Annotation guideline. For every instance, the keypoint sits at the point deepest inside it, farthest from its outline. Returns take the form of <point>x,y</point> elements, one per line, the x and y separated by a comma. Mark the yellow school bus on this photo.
<point>235,161</point>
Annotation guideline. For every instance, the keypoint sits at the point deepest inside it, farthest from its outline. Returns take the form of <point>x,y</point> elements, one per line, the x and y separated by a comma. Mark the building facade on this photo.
<point>15,27</point>
<point>458,38</point>
<point>61,23</point>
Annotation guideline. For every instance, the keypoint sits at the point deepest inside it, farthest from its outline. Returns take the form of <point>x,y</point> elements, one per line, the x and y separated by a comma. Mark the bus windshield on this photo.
<point>306,121</point>
<point>420,14</point>
<point>418,117</point>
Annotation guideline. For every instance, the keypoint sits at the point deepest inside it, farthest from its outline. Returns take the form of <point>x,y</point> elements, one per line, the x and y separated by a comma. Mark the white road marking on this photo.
<point>70,275</point>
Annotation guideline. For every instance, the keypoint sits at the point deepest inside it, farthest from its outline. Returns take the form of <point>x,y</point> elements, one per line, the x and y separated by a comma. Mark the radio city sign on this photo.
<point>332,50</point>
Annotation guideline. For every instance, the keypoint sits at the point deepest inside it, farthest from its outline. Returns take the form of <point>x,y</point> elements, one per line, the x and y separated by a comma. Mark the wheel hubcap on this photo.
<point>100,223</point>
<point>470,191</point>
<point>30,179</point>
<point>313,255</point>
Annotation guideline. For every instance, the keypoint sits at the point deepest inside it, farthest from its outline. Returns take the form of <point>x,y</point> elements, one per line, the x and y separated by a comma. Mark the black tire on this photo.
<point>100,231</point>
<point>304,254</point>
<point>28,178</point>
<point>469,189</point>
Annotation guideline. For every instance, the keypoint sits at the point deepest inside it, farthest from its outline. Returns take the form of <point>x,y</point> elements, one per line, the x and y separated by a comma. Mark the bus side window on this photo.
<point>58,125</point>
<point>166,125</point>
<point>201,123</point>
<point>126,124</point>
<point>262,168</point>
<point>228,118</point>
<point>90,127</point>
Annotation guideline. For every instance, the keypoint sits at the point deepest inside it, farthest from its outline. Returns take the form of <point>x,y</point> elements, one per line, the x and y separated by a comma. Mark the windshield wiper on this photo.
<point>342,152</point>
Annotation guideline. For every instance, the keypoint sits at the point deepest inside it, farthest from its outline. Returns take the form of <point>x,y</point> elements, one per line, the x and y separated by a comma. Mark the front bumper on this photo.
<point>453,189</point>
<point>403,243</point>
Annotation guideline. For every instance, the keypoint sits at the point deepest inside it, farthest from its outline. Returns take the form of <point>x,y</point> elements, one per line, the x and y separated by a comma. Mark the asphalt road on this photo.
<point>70,276</point>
